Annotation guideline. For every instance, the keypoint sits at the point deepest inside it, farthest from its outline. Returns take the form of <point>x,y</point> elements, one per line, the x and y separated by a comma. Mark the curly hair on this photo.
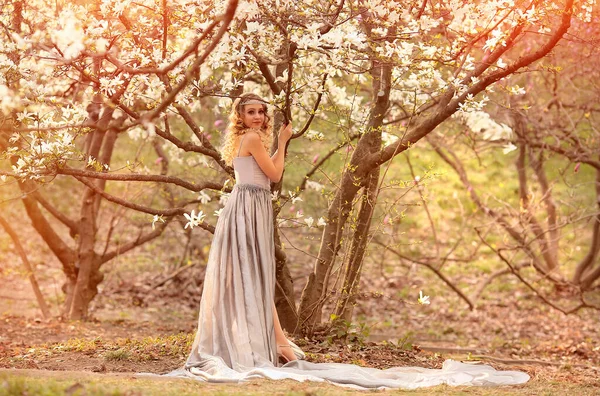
<point>236,128</point>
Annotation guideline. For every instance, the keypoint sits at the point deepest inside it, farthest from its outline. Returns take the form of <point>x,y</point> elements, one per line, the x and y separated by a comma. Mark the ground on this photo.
<point>561,353</point>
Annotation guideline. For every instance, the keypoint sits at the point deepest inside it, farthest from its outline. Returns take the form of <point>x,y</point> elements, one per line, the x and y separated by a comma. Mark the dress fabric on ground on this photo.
<point>235,340</point>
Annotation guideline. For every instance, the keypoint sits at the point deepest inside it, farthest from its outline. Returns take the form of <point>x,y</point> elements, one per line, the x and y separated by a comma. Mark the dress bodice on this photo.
<point>247,171</point>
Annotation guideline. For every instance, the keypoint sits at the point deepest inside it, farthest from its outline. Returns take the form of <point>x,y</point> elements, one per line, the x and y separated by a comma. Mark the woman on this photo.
<point>239,336</point>
<point>238,321</point>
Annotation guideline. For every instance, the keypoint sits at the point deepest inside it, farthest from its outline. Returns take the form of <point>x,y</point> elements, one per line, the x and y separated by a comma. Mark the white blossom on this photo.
<point>482,123</point>
<point>155,219</point>
<point>193,219</point>
<point>508,148</point>
<point>204,197</point>
<point>516,90</point>
<point>224,198</point>
<point>423,300</point>
<point>314,185</point>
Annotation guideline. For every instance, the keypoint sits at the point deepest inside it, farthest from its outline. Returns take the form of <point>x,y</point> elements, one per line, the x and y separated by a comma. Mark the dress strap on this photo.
<point>240,149</point>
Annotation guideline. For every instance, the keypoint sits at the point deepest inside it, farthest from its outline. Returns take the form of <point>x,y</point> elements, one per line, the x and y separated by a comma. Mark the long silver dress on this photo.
<point>236,337</point>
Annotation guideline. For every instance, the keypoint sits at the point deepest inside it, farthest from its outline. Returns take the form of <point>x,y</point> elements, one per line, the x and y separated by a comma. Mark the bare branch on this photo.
<point>73,226</point>
<point>141,208</point>
<point>515,272</point>
<point>433,269</point>
<point>136,177</point>
<point>140,240</point>
<point>320,163</point>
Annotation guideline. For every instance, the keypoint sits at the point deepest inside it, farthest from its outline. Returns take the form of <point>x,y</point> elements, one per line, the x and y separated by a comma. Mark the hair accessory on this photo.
<point>253,101</point>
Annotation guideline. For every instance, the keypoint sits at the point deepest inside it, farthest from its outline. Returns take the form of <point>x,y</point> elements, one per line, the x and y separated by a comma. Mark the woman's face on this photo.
<point>253,115</point>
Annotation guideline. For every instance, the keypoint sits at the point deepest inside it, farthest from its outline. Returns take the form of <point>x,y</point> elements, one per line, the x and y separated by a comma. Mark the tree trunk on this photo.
<point>553,230</point>
<point>550,263</point>
<point>284,289</point>
<point>87,264</point>
<point>83,293</point>
<point>585,274</point>
<point>357,250</point>
<point>314,293</point>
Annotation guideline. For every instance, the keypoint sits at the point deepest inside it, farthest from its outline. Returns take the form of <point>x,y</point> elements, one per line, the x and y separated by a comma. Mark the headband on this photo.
<point>253,101</point>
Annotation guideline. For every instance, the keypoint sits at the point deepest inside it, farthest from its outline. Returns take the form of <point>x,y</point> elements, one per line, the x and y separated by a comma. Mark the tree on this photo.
<point>462,64</point>
<point>65,85</point>
<point>416,62</point>
<point>551,129</point>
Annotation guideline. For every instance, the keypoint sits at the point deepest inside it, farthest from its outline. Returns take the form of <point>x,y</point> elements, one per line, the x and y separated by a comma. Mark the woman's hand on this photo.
<point>285,133</point>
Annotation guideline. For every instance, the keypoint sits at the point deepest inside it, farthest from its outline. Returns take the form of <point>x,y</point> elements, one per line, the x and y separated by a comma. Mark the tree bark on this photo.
<point>285,301</point>
<point>316,288</point>
<point>585,276</point>
<point>358,247</point>
<point>88,262</point>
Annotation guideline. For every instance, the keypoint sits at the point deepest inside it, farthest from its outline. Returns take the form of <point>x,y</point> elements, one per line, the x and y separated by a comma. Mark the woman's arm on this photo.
<point>271,166</point>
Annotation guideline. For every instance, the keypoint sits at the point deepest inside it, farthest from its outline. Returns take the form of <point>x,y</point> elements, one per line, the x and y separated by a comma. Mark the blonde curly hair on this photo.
<point>236,128</point>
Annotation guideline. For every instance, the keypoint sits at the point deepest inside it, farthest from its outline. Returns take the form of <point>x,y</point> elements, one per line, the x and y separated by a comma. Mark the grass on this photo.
<point>119,354</point>
<point>31,382</point>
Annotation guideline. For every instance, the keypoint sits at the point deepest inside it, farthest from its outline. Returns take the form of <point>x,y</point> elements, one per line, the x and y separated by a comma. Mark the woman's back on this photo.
<point>247,171</point>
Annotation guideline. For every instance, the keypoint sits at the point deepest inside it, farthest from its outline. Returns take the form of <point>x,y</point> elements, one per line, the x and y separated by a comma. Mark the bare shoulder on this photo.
<point>252,136</point>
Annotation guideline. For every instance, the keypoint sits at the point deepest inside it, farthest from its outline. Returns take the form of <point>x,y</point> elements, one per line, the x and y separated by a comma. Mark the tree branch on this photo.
<point>140,208</point>
<point>72,225</point>
<point>313,112</point>
<point>140,240</point>
<point>166,102</point>
<point>434,270</point>
<point>449,106</point>
<point>529,286</point>
<point>136,177</point>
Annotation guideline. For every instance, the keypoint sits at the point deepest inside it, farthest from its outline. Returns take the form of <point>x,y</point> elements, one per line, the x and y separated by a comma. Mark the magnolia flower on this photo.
<point>423,300</point>
<point>517,90</point>
<point>155,219</point>
<point>274,196</point>
<point>314,185</point>
<point>321,222</point>
<point>224,198</point>
<point>314,135</point>
<point>299,214</point>
<point>218,212</point>
<point>193,219</point>
<point>204,197</point>
<point>294,197</point>
<point>309,221</point>
<point>508,148</point>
